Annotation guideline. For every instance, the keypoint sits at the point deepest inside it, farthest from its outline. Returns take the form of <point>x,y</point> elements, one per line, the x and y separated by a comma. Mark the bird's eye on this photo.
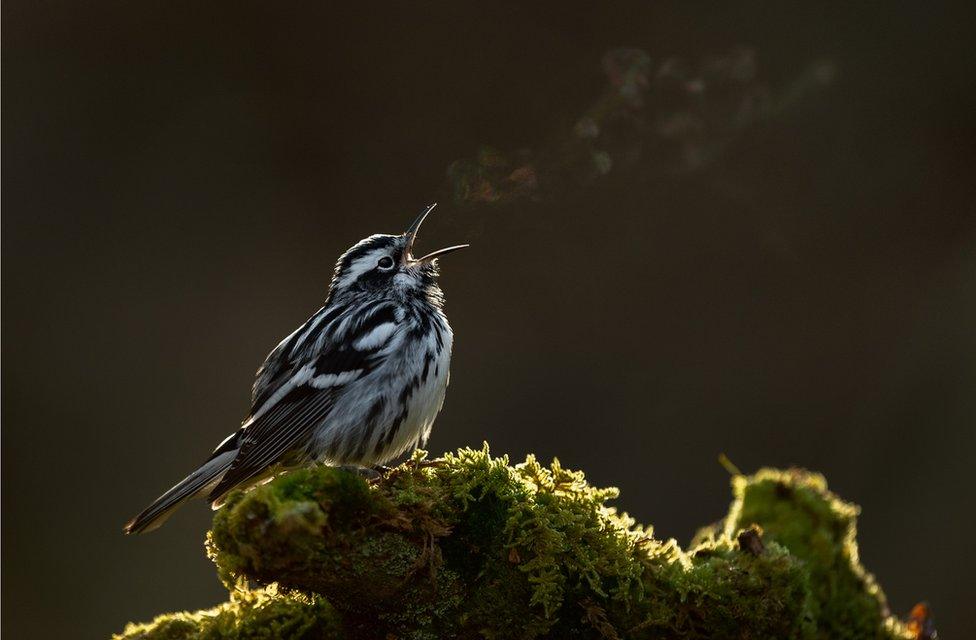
<point>385,263</point>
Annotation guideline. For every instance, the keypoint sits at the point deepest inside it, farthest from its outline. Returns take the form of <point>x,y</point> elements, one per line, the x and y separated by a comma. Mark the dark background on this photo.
<point>179,179</point>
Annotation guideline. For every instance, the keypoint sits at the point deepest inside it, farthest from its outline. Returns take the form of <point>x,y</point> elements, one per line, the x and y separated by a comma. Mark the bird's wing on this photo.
<point>290,412</point>
<point>329,328</point>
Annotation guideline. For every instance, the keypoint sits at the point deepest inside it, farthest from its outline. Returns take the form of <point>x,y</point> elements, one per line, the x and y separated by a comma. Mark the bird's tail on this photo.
<point>197,483</point>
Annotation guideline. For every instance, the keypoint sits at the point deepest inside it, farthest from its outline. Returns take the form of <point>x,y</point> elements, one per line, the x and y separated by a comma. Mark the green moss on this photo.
<point>795,508</point>
<point>470,546</point>
<point>263,614</point>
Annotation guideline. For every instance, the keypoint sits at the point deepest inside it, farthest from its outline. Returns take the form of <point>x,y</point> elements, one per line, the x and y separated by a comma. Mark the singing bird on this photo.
<point>360,383</point>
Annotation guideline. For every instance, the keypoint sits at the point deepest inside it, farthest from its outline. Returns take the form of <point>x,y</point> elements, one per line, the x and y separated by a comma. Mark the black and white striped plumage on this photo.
<point>359,383</point>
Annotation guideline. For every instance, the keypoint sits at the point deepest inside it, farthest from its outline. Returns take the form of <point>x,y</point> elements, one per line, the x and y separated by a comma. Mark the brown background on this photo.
<point>180,177</point>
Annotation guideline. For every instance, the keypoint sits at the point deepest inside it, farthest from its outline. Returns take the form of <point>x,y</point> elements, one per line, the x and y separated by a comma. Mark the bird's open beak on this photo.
<point>411,234</point>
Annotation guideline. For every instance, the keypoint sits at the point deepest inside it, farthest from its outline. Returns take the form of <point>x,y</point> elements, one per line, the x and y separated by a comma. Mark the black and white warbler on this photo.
<point>359,383</point>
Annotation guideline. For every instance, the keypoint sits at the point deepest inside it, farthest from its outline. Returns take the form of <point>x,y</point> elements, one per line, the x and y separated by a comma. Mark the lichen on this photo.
<point>470,546</point>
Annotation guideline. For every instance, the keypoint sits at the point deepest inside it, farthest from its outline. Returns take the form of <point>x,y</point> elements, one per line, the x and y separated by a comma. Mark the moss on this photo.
<point>470,546</point>
<point>796,509</point>
<point>263,614</point>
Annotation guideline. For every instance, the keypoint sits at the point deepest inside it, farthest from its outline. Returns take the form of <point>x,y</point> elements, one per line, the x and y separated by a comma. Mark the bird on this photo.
<point>358,384</point>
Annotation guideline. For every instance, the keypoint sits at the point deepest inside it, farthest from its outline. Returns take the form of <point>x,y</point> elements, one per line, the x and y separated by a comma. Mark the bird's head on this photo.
<point>384,265</point>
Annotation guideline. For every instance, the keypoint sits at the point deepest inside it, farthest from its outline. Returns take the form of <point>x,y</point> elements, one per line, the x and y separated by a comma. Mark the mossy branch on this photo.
<point>469,546</point>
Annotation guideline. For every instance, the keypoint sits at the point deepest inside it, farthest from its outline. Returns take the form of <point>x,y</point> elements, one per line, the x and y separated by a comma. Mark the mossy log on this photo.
<point>469,546</point>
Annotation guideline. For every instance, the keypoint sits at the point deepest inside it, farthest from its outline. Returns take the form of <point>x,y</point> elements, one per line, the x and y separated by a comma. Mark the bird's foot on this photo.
<point>371,474</point>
